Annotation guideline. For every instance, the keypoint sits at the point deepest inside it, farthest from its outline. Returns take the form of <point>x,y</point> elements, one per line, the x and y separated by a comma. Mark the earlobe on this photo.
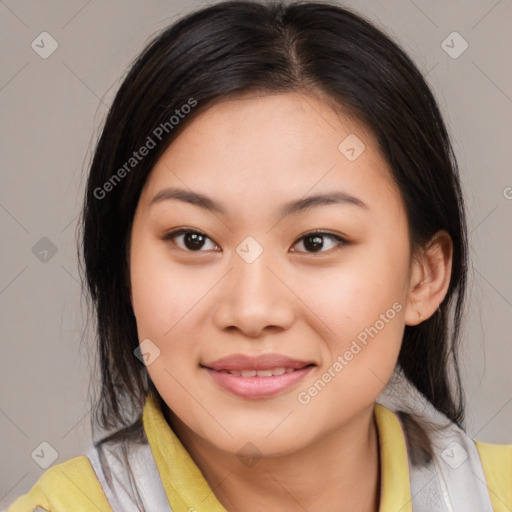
<point>430,279</point>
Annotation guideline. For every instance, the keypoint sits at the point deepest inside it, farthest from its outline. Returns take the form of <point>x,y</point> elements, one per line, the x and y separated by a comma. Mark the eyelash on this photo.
<point>340,241</point>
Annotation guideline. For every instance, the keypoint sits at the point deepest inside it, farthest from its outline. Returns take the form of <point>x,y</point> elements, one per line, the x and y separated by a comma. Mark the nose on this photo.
<point>255,298</point>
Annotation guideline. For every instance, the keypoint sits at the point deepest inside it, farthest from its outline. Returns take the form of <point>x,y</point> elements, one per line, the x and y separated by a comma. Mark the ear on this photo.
<point>430,278</point>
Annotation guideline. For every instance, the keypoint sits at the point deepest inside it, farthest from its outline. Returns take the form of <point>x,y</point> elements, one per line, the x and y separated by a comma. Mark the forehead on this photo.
<point>261,146</point>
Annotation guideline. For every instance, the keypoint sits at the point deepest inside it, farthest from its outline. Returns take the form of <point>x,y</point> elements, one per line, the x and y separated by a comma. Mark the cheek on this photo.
<point>168,300</point>
<point>163,291</point>
<point>360,317</point>
<point>358,309</point>
<point>351,297</point>
<point>165,299</point>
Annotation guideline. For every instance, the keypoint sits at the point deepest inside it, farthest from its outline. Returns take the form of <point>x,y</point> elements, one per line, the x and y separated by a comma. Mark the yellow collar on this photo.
<point>187,489</point>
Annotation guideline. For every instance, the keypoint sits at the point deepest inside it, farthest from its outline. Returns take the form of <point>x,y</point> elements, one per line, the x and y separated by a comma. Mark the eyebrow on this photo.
<point>290,208</point>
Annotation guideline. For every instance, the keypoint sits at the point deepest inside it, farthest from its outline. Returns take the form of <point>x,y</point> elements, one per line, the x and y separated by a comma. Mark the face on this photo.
<point>255,277</point>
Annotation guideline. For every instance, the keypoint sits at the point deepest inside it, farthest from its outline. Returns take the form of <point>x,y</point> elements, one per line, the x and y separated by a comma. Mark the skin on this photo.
<point>252,154</point>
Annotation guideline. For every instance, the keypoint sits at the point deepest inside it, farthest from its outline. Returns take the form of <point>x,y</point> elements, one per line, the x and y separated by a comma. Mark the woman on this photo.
<point>274,237</point>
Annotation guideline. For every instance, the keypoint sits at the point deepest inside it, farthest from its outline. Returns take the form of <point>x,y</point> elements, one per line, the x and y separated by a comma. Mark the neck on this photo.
<point>316,478</point>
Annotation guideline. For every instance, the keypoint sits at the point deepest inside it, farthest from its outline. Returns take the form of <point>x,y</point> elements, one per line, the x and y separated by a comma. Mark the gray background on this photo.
<point>51,111</point>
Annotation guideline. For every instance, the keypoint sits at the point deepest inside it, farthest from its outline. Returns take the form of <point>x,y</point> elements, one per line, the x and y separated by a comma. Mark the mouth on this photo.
<point>268,372</point>
<point>257,377</point>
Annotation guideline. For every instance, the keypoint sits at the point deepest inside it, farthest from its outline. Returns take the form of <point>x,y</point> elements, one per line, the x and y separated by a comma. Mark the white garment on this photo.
<point>137,488</point>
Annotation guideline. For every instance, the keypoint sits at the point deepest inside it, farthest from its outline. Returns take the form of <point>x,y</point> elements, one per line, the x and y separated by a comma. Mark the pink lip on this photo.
<point>257,387</point>
<point>262,362</point>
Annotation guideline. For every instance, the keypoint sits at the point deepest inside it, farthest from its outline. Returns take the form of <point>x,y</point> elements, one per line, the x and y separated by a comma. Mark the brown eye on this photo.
<point>315,241</point>
<point>191,240</point>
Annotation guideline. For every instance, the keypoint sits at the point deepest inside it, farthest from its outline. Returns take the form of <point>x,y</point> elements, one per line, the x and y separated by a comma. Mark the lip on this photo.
<point>261,362</point>
<point>257,387</point>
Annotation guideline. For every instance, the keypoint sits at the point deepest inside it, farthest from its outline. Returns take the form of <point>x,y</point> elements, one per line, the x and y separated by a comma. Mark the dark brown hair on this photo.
<point>239,46</point>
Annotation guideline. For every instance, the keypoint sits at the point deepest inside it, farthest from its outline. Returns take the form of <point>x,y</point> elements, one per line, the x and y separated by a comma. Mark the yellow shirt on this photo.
<point>73,485</point>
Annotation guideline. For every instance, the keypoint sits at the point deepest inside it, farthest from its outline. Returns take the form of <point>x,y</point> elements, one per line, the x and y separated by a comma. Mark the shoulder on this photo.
<point>68,486</point>
<point>483,470</point>
<point>497,464</point>
<point>77,483</point>
<point>497,453</point>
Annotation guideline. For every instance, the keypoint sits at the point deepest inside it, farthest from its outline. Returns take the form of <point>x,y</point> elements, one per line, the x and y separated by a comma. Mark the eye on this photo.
<point>192,240</point>
<point>314,241</point>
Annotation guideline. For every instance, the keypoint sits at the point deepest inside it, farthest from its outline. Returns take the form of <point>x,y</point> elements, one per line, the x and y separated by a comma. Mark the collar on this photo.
<point>187,489</point>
